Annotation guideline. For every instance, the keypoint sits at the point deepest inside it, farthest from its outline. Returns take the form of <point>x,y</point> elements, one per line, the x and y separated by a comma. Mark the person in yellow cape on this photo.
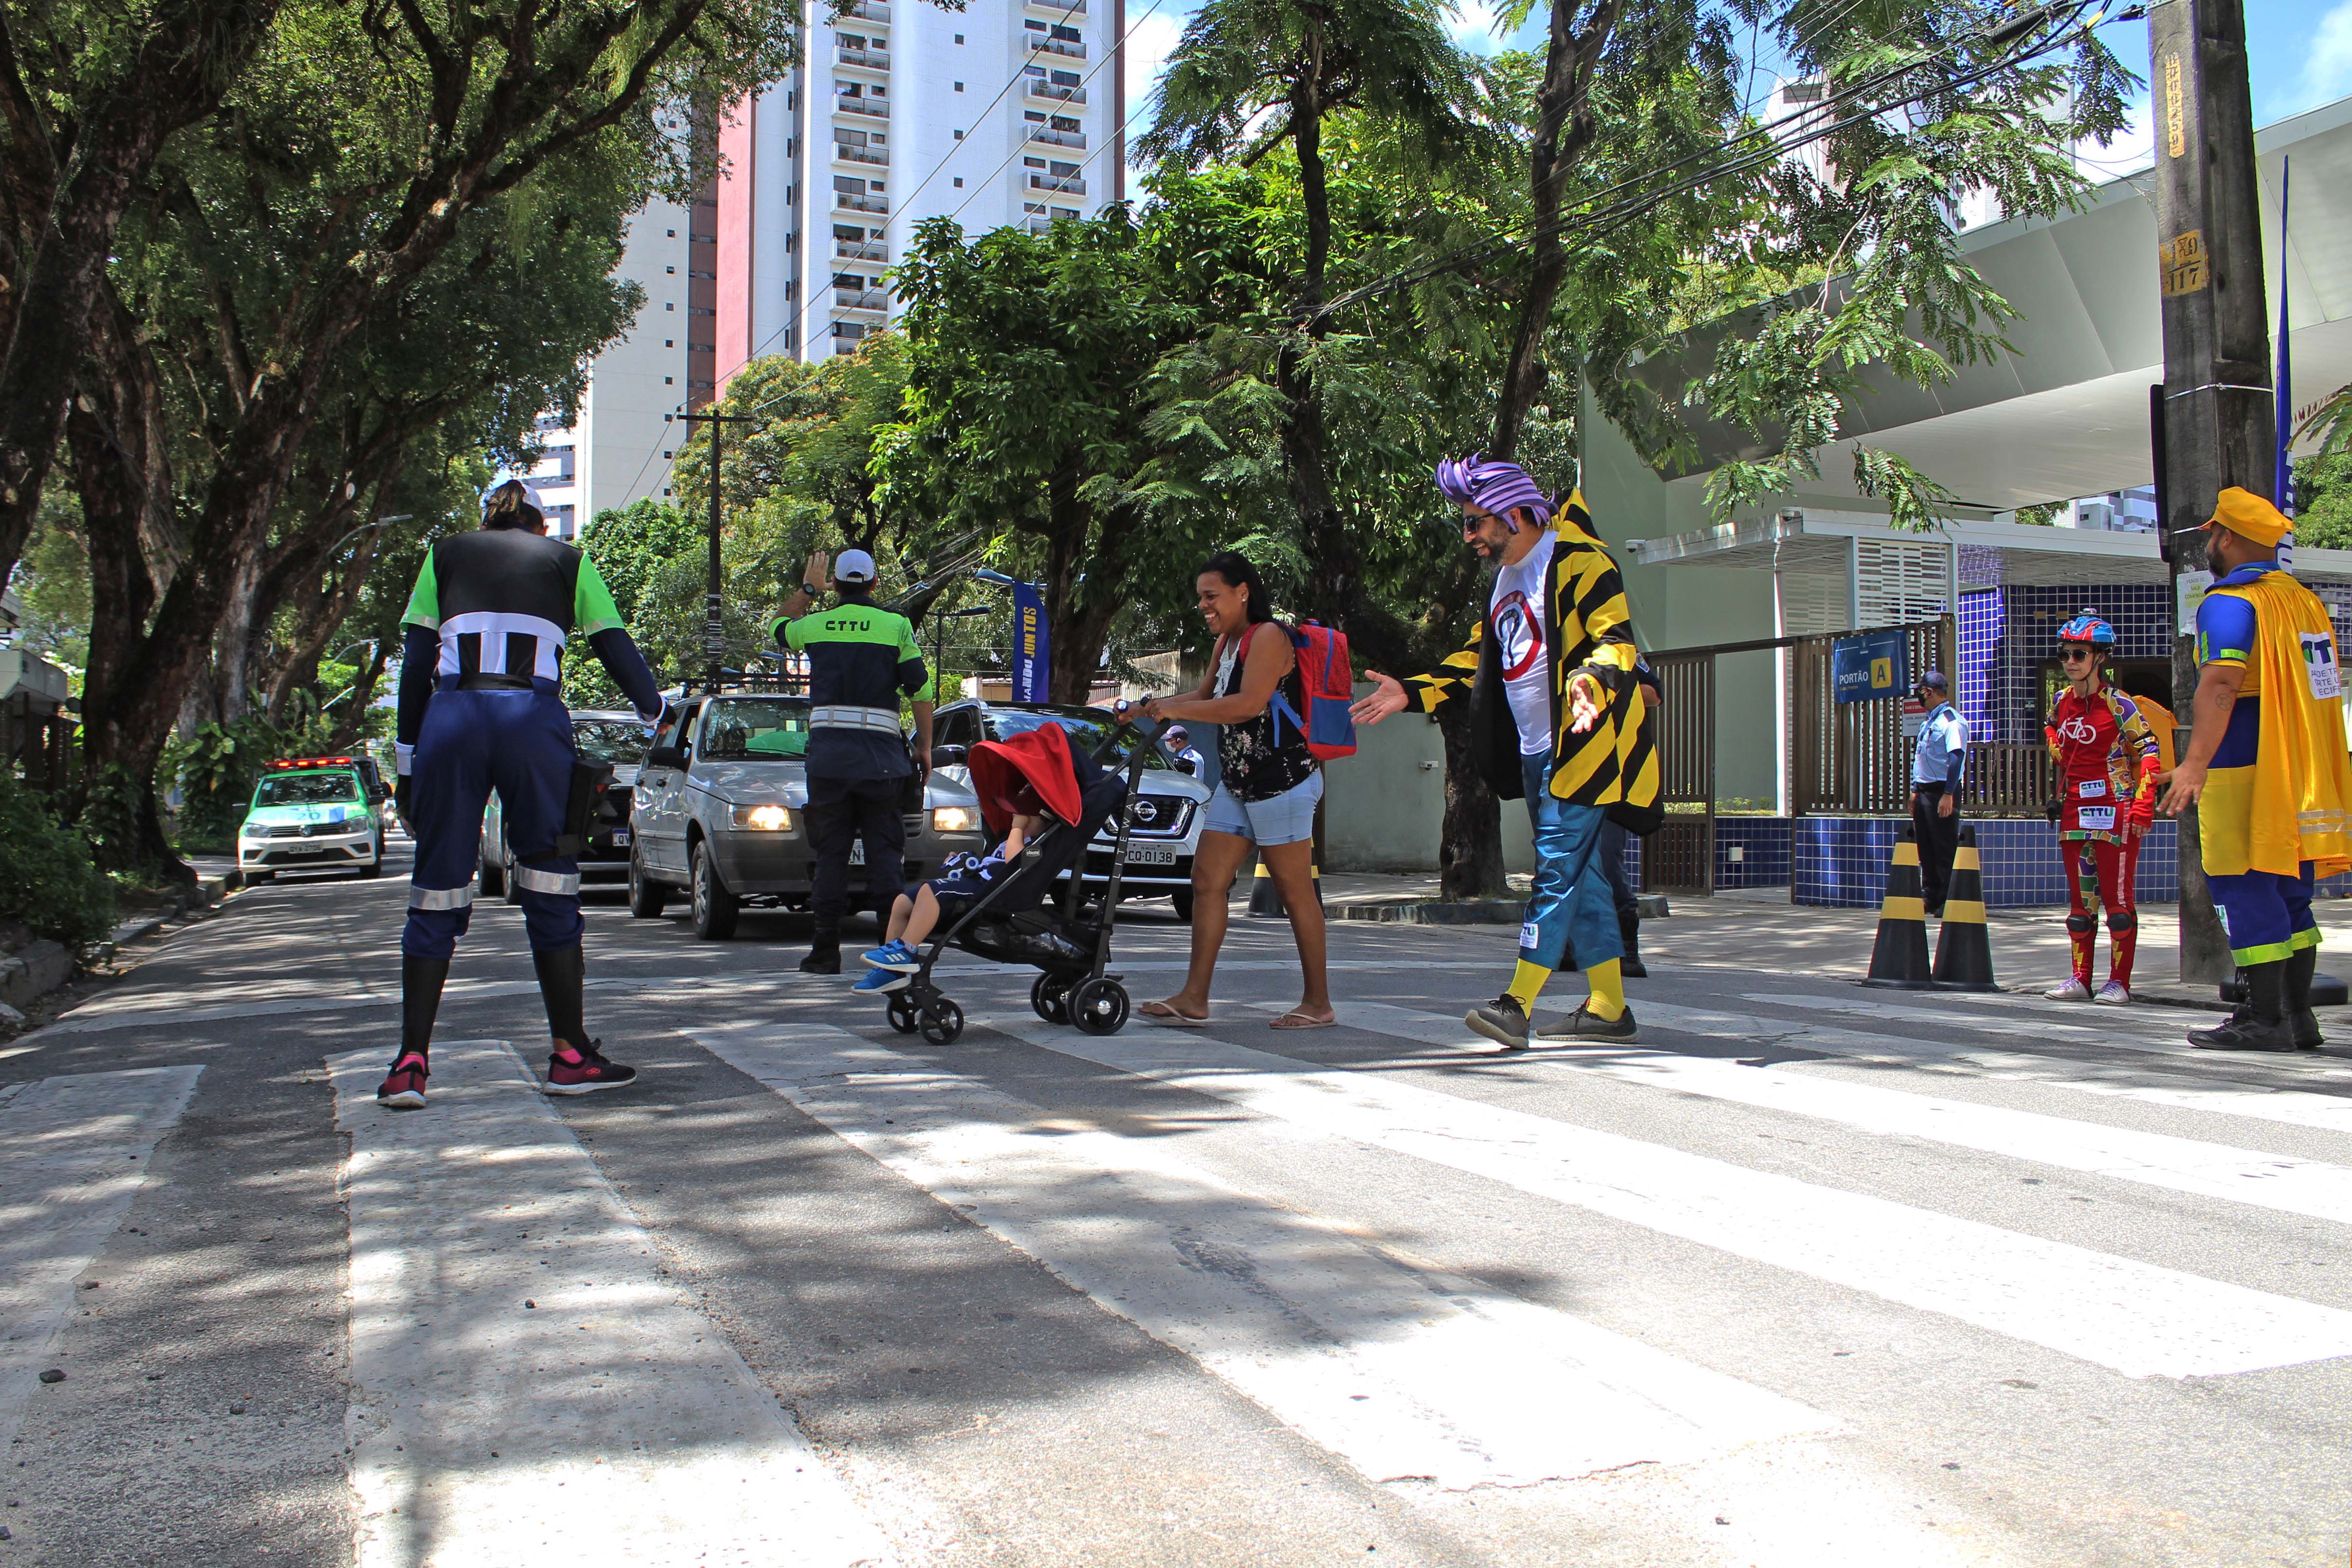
<point>2266,763</point>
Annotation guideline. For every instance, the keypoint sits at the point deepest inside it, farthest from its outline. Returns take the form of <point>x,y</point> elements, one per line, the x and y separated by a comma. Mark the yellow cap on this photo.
<point>2242,511</point>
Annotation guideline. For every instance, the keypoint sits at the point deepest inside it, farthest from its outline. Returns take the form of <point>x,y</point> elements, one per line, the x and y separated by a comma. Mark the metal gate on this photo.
<point>1680,856</point>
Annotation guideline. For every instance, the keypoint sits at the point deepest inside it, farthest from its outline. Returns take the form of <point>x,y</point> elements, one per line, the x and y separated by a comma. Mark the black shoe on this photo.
<point>1503,1021</point>
<point>2262,1023</point>
<point>2301,966</point>
<point>585,1071</point>
<point>1585,1026</point>
<point>824,952</point>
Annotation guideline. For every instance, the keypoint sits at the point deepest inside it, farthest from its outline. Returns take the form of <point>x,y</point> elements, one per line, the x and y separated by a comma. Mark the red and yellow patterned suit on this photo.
<point>2107,762</point>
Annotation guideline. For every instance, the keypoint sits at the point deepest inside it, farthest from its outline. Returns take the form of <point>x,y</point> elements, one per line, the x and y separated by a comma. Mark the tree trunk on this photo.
<point>346,733</point>
<point>1470,853</point>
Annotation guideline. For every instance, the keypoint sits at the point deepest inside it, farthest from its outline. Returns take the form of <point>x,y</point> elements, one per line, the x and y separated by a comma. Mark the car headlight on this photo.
<point>762,818</point>
<point>956,819</point>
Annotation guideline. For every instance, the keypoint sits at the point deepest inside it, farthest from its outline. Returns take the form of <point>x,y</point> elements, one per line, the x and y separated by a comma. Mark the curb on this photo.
<point>1434,912</point>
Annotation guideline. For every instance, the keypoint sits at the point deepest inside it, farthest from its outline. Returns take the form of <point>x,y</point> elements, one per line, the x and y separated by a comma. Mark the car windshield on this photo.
<point>604,740</point>
<point>1087,727</point>
<point>754,727</point>
<point>307,789</point>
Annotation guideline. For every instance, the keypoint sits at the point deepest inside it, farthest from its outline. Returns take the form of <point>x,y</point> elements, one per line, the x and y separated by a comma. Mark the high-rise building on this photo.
<point>1005,113</point>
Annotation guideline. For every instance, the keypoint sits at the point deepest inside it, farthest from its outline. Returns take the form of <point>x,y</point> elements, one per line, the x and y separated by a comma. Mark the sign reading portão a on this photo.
<point>1870,665</point>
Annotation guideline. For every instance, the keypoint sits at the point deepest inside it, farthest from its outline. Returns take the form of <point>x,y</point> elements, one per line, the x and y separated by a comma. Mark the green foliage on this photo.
<point>48,877</point>
<point>2323,498</point>
<point>111,802</point>
<point>635,550</point>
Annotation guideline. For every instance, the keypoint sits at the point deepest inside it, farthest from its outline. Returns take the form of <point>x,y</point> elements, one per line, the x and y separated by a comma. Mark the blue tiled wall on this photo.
<point>1842,862</point>
<point>1763,845</point>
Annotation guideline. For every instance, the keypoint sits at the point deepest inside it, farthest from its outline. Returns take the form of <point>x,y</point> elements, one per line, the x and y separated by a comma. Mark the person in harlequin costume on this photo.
<point>2107,766</point>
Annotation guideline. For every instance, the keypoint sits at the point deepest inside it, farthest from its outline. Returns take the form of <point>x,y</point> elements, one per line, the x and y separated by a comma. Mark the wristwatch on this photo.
<point>813,591</point>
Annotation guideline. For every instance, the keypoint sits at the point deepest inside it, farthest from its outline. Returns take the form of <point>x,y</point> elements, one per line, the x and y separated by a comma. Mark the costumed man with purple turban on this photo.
<point>1556,719</point>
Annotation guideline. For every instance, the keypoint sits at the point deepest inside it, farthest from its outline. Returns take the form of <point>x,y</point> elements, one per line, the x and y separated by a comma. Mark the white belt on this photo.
<point>845,716</point>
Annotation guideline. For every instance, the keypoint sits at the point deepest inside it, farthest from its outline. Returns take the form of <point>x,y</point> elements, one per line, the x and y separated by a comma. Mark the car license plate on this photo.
<point>620,837</point>
<point>1151,853</point>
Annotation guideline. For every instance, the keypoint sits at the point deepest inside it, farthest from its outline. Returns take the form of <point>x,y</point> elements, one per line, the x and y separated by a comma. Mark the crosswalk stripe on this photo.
<point>1403,1370</point>
<point>2118,1029</point>
<point>489,1429</point>
<point>2136,1318</point>
<point>73,1151</point>
<point>2285,1183</point>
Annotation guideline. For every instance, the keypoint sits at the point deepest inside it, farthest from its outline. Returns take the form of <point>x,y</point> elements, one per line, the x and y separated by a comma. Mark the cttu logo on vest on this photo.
<point>2319,665</point>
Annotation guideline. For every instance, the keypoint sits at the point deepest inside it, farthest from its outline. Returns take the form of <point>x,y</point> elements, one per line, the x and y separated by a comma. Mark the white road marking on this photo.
<point>609,1423</point>
<point>2285,1183</point>
<point>2048,1022</point>
<point>1401,1370</point>
<point>2136,1318</point>
<point>73,1151</point>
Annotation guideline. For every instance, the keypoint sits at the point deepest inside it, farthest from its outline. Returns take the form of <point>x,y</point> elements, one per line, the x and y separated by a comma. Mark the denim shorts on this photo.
<point>1285,818</point>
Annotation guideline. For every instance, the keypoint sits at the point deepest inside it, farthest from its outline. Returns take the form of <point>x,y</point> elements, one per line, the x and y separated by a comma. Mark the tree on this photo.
<point>632,547</point>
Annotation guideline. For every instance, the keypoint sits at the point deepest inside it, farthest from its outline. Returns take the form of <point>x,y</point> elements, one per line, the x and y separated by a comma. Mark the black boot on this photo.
<point>825,950</point>
<point>2300,967</point>
<point>421,980</point>
<point>1629,927</point>
<point>2262,1023</point>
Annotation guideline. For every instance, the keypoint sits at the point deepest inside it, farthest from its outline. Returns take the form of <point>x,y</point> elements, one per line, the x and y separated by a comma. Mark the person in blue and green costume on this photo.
<point>2267,769</point>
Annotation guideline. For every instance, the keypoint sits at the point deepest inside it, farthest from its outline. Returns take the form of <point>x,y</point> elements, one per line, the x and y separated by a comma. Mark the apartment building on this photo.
<point>1005,112</point>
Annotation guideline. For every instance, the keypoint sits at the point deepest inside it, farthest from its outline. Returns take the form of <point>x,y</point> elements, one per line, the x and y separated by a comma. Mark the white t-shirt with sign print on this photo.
<point>1515,621</point>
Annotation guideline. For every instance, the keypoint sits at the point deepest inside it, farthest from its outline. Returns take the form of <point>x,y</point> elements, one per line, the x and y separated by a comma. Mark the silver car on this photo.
<point>599,735</point>
<point>1165,816</point>
<point>722,813</point>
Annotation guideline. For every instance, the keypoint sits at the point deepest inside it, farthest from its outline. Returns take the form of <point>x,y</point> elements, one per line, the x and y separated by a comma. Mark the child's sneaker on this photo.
<point>878,979</point>
<point>895,955</point>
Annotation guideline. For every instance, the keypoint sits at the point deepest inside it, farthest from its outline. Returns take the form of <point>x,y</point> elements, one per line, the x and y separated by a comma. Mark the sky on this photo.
<point>2299,54</point>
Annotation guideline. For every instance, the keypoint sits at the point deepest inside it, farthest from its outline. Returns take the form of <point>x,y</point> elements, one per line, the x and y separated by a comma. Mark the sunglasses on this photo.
<point>2071,654</point>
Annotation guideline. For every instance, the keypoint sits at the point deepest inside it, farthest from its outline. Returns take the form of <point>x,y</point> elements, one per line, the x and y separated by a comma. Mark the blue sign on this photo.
<point>1866,668</point>
<point>1031,645</point>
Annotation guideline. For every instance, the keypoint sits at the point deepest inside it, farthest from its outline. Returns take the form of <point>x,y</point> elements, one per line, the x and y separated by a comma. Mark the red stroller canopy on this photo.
<point>1029,773</point>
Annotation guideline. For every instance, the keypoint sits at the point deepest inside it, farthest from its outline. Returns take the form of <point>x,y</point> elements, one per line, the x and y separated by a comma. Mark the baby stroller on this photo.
<point>1017,920</point>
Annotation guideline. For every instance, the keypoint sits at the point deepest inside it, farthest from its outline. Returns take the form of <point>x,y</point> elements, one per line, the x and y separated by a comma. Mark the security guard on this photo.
<point>480,664</point>
<point>860,658</point>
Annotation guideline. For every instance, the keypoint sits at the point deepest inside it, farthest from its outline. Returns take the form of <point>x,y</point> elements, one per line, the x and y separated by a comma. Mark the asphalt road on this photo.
<point>1815,1274</point>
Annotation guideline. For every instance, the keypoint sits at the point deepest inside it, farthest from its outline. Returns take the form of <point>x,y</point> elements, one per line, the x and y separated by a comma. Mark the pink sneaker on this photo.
<point>574,1071</point>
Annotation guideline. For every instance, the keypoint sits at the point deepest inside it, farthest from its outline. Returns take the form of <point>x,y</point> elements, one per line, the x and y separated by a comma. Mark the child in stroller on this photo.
<point>949,898</point>
<point>1034,775</point>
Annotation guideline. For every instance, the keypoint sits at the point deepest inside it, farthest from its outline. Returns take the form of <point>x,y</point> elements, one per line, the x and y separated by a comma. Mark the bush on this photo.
<point>48,877</point>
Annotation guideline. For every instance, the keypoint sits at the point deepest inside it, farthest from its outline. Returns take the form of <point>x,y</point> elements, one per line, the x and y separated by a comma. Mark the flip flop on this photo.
<point>1167,1018</point>
<point>1298,1018</point>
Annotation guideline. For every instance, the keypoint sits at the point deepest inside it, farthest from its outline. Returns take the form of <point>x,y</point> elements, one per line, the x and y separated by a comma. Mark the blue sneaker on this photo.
<point>895,955</point>
<point>878,980</point>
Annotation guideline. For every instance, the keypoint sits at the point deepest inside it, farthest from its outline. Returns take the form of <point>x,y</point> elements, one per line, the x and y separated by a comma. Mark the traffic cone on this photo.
<point>1266,900</point>
<point>1963,944</point>
<point>1898,960</point>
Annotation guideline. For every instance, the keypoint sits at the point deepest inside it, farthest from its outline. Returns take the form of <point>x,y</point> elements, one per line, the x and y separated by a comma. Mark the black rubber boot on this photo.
<point>2300,968</point>
<point>421,980</point>
<point>825,950</point>
<point>1629,927</point>
<point>563,982</point>
<point>2262,1023</point>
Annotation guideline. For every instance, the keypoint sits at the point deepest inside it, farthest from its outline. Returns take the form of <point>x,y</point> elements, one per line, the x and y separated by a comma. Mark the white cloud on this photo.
<point>1149,44</point>
<point>2133,149</point>
<point>1471,25</point>
<point>2326,68</point>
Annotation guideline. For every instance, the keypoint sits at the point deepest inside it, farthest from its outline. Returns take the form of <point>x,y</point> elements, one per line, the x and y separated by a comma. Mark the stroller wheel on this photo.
<point>1098,1007</point>
<point>902,1013</point>
<point>1049,1001</point>
<point>942,1022</point>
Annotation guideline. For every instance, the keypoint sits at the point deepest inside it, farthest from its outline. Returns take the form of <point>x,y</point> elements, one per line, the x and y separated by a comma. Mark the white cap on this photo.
<point>853,566</point>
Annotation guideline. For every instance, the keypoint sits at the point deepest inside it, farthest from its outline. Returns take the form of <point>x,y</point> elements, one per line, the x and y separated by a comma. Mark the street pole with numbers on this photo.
<point>2216,423</point>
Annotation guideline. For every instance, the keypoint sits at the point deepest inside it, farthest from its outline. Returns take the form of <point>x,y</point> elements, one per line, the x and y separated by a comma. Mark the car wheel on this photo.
<point>646,896</point>
<point>513,889</point>
<point>715,907</point>
<point>493,881</point>
<point>374,867</point>
<point>1182,899</point>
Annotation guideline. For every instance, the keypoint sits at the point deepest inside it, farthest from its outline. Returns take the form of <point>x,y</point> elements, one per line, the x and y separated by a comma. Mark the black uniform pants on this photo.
<point>841,812</point>
<point>1938,837</point>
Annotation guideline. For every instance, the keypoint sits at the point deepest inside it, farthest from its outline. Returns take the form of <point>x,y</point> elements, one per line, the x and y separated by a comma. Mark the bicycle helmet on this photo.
<point>2088,627</point>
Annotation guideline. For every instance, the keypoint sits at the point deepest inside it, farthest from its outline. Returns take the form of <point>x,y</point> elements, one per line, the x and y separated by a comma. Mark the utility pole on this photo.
<point>2217,420</point>
<point>714,632</point>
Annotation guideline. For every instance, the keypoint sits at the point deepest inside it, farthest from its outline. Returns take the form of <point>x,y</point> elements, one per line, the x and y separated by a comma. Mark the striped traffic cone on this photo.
<point>1963,944</point>
<point>1266,900</point>
<point>1898,960</point>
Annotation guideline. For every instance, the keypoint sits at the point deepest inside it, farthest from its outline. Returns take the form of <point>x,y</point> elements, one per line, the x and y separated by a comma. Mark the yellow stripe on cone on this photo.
<point>1898,958</point>
<point>1964,943</point>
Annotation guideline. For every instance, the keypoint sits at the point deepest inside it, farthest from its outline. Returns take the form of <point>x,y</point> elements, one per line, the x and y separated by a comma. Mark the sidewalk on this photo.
<point>1760,929</point>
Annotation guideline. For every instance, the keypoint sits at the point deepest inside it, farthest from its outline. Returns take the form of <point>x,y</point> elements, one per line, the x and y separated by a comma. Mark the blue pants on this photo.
<point>2268,916</point>
<point>519,743</point>
<point>1611,855</point>
<point>1571,906</point>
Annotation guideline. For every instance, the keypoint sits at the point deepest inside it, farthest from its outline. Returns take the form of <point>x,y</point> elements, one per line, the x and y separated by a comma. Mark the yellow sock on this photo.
<point>1525,982</point>
<point>1608,981</point>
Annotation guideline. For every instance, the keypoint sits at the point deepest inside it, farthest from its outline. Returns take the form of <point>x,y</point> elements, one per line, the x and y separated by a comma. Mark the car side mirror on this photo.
<point>949,756</point>
<point>665,757</point>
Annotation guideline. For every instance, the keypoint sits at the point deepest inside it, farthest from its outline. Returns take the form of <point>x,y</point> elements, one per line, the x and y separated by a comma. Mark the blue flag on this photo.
<point>1031,645</point>
<point>2282,397</point>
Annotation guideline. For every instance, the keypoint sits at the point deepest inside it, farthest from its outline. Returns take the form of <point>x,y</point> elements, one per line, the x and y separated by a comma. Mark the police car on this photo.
<point>310,814</point>
<point>720,813</point>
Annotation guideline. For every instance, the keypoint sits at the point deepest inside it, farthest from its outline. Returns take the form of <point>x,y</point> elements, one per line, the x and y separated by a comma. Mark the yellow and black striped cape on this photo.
<point>1587,630</point>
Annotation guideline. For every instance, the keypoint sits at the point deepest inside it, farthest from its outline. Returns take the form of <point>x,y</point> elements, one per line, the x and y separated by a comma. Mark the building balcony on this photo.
<point>844,201</point>
<point>843,154</point>
<point>871,59</point>
<point>1057,138</point>
<point>867,11</point>
<point>1070,183</point>
<point>861,250</point>
<point>864,106</point>
<point>870,300</point>
<point>1058,7</point>
<point>1057,93</point>
<point>1057,46</point>
<point>1041,225</point>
